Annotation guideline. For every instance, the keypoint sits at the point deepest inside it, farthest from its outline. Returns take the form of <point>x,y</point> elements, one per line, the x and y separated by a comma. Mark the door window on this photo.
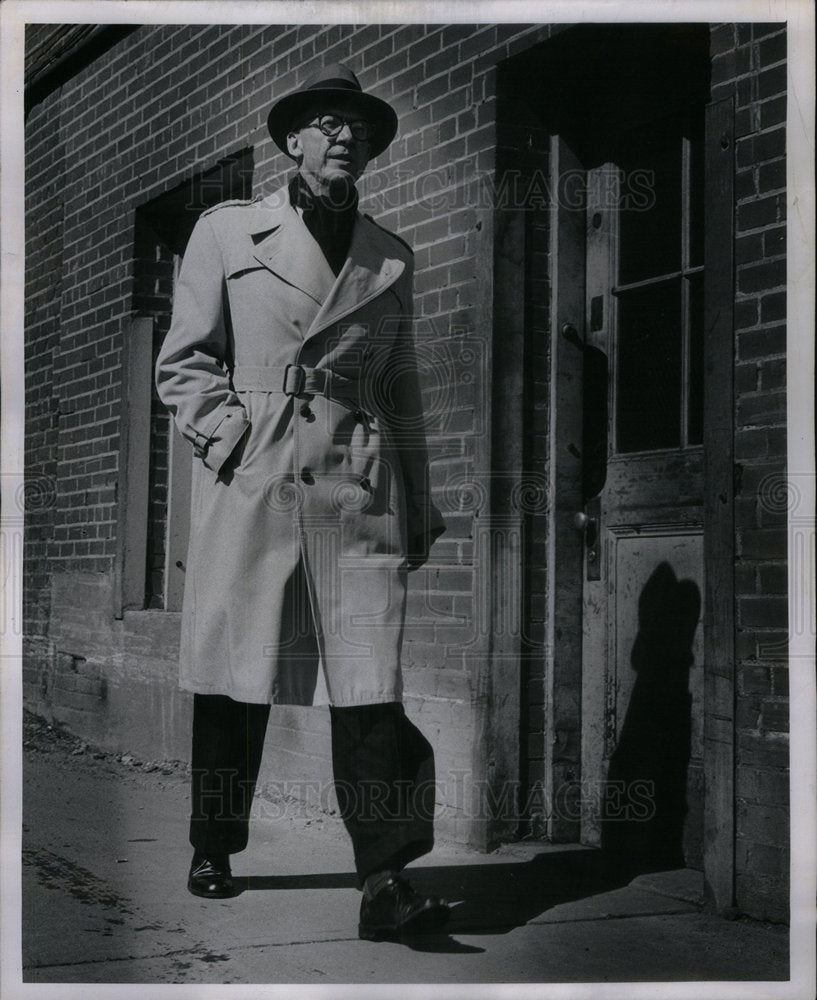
<point>657,293</point>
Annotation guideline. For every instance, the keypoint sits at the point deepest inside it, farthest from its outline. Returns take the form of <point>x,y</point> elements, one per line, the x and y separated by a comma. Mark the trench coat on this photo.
<point>310,501</point>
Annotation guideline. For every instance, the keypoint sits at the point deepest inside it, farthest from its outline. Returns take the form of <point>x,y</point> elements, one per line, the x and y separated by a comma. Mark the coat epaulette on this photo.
<point>388,232</point>
<point>230,204</point>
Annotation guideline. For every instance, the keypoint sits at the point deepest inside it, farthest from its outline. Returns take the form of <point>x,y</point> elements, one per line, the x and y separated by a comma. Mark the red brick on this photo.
<point>760,277</point>
<point>765,543</point>
<point>747,313</point>
<point>424,48</point>
<point>763,612</point>
<point>775,715</point>
<point>478,43</point>
<point>771,176</point>
<point>746,122</point>
<point>772,82</point>
<point>768,145</point>
<point>772,49</point>
<point>774,579</point>
<point>761,212</point>
<point>749,249</point>
<point>746,90</point>
<point>762,29</point>
<point>760,343</point>
<point>766,408</point>
<point>754,680</point>
<point>773,306</point>
<point>780,685</point>
<point>745,575</point>
<point>721,38</point>
<point>773,112</point>
<point>772,374</point>
<point>432,89</point>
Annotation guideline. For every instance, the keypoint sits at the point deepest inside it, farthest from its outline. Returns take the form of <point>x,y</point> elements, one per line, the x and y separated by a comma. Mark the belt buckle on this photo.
<point>300,380</point>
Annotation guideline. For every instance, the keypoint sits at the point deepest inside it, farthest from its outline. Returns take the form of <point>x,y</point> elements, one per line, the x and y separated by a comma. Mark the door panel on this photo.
<point>654,694</point>
<point>648,568</point>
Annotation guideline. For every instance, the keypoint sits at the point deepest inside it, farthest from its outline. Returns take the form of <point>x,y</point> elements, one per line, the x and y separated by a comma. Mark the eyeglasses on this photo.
<point>332,126</point>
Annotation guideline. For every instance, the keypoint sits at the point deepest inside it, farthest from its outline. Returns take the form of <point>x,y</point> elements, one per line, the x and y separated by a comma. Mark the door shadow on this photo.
<point>645,802</point>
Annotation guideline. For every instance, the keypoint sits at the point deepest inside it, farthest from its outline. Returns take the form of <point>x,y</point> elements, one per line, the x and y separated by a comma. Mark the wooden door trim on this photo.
<point>563,722</point>
<point>134,451</point>
<point>719,517</point>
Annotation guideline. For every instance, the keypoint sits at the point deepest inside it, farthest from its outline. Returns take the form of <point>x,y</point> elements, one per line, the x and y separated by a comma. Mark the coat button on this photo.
<point>305,410</point>
<point>307,477</point>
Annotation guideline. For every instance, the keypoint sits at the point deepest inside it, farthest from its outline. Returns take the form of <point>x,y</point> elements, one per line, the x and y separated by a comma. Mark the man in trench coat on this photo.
<point>291,369</point>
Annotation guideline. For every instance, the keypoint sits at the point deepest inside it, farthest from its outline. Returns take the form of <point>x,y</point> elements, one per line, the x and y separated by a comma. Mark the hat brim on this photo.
<point>373,109</point>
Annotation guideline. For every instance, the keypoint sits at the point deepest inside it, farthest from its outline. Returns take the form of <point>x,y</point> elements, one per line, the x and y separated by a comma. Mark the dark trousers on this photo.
<point>383,771</point>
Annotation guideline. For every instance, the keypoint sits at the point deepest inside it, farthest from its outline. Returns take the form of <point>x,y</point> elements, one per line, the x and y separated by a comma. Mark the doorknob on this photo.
<point>582,522</point>
<point>588,523</point>
<point>571,335</point>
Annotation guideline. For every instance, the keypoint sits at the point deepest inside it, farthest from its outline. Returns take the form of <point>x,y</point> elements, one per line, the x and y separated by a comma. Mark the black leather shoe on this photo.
<point>211,877</point>
<point>397,911</point>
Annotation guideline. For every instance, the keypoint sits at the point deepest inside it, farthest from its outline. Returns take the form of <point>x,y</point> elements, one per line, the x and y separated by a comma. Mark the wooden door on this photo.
<point>642,521</point>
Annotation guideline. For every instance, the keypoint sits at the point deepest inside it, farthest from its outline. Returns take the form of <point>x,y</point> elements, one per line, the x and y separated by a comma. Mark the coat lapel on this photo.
<point>285,246</point>
<point>369,269</point>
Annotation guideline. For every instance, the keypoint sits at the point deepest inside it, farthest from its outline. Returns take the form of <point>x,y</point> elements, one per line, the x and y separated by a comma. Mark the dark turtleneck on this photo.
<point>330,220</point>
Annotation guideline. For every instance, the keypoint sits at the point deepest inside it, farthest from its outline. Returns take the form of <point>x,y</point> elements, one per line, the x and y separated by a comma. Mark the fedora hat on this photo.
<point>335,84</point>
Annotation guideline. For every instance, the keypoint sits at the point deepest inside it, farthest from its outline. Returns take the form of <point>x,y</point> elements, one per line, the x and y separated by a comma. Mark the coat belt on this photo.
<point>296,380</point>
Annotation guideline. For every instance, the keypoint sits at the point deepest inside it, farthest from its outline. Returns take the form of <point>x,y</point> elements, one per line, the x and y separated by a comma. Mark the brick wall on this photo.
<point>45,171</point>
<point>749,62</point>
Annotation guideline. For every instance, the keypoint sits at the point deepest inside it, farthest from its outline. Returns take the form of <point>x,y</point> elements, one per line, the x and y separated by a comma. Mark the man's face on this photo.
<point>324,159</point>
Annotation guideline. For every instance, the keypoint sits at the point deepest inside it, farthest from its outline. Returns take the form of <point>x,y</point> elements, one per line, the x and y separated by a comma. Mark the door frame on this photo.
<point>563,669</point>
<point>719,506</point>
<point>567,303</point>
<point>677,67</point>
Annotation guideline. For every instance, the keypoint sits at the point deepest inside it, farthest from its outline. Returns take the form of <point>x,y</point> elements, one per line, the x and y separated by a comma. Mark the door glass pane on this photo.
<point>695,420</point>
<point>648,369</point>
<point>696,193</point>
<point>650,229</point>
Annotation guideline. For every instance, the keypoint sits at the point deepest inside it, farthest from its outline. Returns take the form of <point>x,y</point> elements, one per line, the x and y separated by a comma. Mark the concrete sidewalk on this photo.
<point>104,900</point>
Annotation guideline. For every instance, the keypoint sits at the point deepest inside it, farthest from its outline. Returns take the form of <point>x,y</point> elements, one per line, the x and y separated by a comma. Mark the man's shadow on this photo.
<point>646,801</point>
<point>490,898</point>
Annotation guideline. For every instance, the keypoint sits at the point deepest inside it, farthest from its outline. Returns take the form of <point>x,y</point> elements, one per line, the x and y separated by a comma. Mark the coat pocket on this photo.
<point>374,459</point>
<point>236,458</point>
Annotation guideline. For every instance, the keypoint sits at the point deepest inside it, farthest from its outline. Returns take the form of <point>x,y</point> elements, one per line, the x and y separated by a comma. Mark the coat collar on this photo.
<point>284,245</point>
